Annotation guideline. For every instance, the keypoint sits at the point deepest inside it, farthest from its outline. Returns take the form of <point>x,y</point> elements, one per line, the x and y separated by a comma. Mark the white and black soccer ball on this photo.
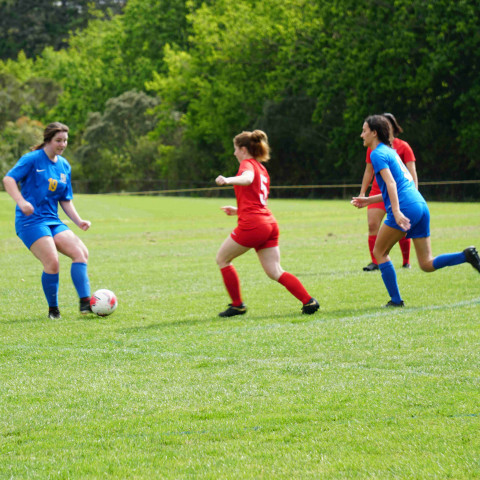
<point>103,302</point>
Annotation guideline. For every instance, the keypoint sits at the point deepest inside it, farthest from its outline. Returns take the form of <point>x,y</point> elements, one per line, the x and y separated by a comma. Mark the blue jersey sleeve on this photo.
<point>22,168</point>
<point>379,160</point>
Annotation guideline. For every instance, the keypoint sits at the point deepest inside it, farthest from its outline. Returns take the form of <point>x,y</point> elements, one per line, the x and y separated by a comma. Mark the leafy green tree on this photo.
<point>32,25</point>
<point>16,139</point>
<point>418,60</point>
<point>90,71</point>
<point>115,147</point>
<point>149,26</point>
<point>220,86</point>
<point>33,97</point>
<point>306,72</point>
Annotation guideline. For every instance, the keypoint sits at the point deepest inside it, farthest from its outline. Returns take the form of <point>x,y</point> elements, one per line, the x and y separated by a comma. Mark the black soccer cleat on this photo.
<point>85,307</point>
<point>472,257</point>
<point>370,267</point>
<point>54,313</point>
<point>407,266</point>
<point>231,311</point>
<point>392,304</point>
<point>310,307</point>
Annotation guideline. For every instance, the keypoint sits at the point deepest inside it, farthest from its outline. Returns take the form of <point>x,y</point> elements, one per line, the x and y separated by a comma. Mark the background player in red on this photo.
<point>376,211</point>
<point>257,227</point>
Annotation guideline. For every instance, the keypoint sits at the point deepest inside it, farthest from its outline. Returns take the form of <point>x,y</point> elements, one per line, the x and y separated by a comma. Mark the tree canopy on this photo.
<point>306,72</point>
<point>31,25</point>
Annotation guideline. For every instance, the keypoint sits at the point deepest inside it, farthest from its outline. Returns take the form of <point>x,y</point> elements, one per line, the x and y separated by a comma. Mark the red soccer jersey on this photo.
<point>404,151</point>
<point>252,199</point>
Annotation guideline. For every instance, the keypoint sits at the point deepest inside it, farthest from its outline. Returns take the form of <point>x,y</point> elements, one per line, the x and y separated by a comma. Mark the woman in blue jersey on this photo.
<point>44,176</point>
<point>407,211</point>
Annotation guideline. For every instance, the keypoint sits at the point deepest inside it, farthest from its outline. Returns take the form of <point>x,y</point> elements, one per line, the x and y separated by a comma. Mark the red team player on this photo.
<point>257,227</point>
<point>376,211</point>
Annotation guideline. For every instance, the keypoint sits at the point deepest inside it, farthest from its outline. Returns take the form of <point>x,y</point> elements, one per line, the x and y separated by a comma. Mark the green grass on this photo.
<point>166,389</point>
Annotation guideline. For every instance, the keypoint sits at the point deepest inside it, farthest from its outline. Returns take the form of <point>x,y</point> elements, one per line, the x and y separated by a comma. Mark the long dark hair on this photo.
<point>379,124</point>
<point>50,131</point>
<point>397,129</point>
<point>256,143</point>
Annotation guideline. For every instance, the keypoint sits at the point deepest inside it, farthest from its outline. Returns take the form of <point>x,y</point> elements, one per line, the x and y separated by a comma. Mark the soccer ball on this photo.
<point>103,302</point>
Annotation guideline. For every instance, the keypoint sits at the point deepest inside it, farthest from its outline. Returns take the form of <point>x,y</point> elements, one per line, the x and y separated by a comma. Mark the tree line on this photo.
<point>155,91</point>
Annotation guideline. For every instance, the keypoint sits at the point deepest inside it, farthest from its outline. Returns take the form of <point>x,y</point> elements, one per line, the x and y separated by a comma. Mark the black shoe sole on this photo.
<point>472,257</point>
<point>311,307</point>
<point>233,311</point>
<point>391,304</point>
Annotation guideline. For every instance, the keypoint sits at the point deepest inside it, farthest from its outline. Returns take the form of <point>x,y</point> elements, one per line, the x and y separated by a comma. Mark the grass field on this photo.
<point>164,388</point>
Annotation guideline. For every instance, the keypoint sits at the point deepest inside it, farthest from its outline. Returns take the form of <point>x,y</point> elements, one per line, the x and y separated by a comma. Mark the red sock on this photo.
<point>371,244</point>
<point>232,283</point>
<point>405,248</point>
<point>294,286</point>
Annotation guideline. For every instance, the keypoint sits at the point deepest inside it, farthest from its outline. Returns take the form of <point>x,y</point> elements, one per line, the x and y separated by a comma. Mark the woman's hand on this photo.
<point>359,202</point>
<point>26,207</point>
<point>221,180</point>
<point>402,221</point>
<point>229,210</point>
<point>84,225</point>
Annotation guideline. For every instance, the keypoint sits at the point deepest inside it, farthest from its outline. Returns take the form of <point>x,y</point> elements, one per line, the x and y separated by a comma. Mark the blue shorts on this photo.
<point>419,217</point>
<point>31,234</point>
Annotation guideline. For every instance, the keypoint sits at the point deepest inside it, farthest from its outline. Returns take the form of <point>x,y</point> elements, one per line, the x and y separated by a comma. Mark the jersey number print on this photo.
<point>405,171</point>
<point>263,188</point>
<point>52,184</point>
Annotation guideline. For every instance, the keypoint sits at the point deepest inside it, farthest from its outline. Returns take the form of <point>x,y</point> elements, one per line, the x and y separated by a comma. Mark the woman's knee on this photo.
<point>85,254</point>
<point>80,254</point>
<point>373,227</point>
<point>378,254</point>
<point>222,260</point>
<point>219,259</point>
<point>374,220</point>
<point>274,272</point>
<point>51,264</point>
<point>426,265</point>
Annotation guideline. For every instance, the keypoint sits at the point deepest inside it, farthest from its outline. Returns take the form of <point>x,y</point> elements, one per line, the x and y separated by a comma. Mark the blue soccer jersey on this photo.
<point>43,183</point>
<point>385,157</point>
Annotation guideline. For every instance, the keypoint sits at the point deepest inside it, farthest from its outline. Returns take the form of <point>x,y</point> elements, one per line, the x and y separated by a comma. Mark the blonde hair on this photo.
<point>256,143</point>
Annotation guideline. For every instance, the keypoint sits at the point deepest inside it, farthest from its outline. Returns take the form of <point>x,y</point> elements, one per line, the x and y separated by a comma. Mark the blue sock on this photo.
<point>389,278</point>
<point>80,279</point>
<point>448,260</point>
<point>50,283</point>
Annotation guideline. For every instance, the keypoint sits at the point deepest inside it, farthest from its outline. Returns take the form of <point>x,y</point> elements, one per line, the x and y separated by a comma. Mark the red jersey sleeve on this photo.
<point>244,167</point>
<point>404,150</point>
<point>369,151</point>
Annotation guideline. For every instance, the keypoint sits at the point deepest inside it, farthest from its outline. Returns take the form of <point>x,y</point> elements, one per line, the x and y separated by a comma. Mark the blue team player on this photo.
<point>407,211</point>
<point>44,176</point>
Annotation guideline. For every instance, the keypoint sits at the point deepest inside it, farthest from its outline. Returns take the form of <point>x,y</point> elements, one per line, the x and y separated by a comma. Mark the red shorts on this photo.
<point>264,236</point>
<point>376,191</point>
<point>379,205</point>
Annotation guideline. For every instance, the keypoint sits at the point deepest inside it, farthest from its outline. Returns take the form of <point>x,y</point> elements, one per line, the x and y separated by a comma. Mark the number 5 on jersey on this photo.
<point>264,190</point>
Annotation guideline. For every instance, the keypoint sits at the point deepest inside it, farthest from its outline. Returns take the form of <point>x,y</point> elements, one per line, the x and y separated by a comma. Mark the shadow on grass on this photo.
<point>249,318</point>
<point>43,318</point>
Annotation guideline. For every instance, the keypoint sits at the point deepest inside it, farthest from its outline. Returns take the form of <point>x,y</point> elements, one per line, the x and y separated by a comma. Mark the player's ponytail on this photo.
<point>397,129</point>
<point>50,131</point>
<point>256,143</point>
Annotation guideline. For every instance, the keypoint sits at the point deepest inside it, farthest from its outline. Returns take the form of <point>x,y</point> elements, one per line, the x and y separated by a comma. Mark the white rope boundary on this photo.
<point>285,187</point>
